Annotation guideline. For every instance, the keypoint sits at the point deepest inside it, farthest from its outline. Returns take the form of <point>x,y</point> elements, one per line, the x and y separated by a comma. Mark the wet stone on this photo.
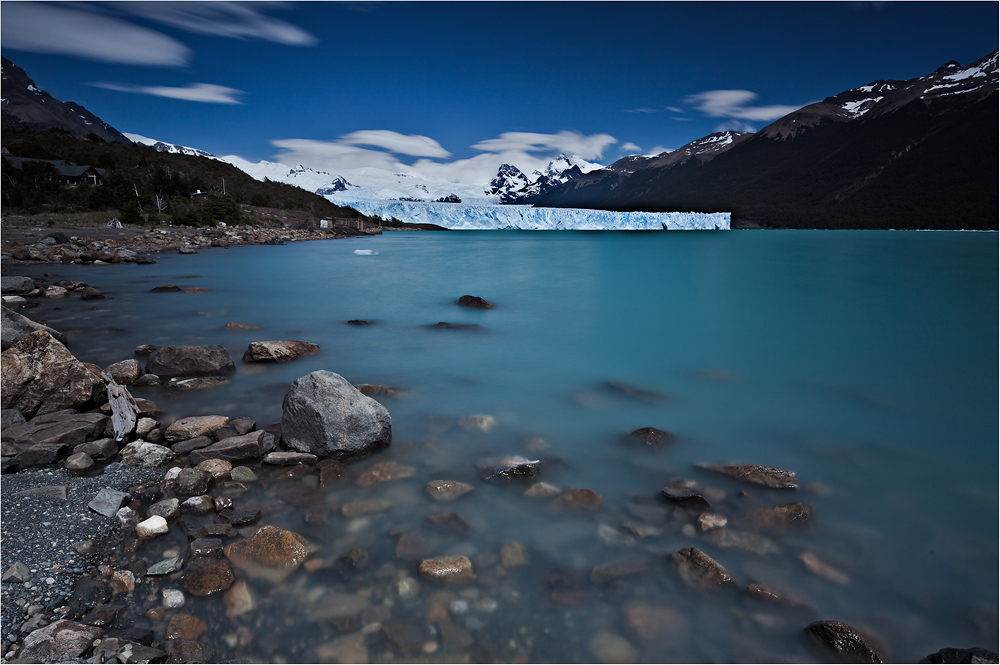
<point>243,517</point>
<point>454,638</point>
<point>709,521</point>
<point>290,472</point>
<point>185,627</point>
<point>656,624</point>
<point>188,445</point>
<point>240,599</point>
<point>818,567</point>
<point>332,606</point>
<point>209,580</point>
<point>700,570</point>
<point>542,490</point>
<point>122,582</point>
<point>842,641</point>
<point>356,559</point>
<point>974,655</point>
<point>685,496</point>
<point>346,649</point>
<point>768,594</point>
<point>205,548</point>
<point>475,302</point>
<point>411,547</point>
<point>448,522</point>
<point>624,567</point>
<point>384,472</point>
<point>210,530</point>
<point>168,509</point>
<point>778,518</point>
<point>221,503</point>
<point>193,481</point>
<point>188,651</point>
<point>151,528</point>
<point>741,540</point>
<point>103,615</point>
<point>577,500</point>
<point>649,437</point>
<point>284,458</point>
<point>165,567</point>
<point>508,468</point>
<point>512,555</point>
<point>448,570</point>
<point>611,648</point>
<point>332,473</point>
<point>271,553</point>
<point>243,474</point>
<point>300,495</point>
<point>403,636</point>
<point>479,422</point>
<point>198,505</point>
<point>755,474</point>
<point>219,469</point>
<point>366,507</point>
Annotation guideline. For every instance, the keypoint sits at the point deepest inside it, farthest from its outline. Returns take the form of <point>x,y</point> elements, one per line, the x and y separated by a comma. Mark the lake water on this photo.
<point>866,362</point>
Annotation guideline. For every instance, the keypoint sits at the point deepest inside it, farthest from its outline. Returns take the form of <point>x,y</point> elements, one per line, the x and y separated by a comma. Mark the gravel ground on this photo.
<point>39,531</point>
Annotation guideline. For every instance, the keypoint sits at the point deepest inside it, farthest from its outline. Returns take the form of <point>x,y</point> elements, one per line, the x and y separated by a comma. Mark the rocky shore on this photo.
<point>128,537</point>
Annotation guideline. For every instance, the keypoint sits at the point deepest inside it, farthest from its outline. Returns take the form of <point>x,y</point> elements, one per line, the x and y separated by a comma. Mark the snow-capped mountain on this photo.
<point>160,146</point>
<point>512,186</point>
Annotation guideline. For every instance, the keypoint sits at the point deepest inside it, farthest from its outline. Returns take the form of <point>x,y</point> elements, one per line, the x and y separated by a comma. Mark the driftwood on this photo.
<point>124,410</point>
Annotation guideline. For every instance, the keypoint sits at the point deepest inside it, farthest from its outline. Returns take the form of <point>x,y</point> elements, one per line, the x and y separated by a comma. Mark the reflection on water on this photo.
<point>865,362</point>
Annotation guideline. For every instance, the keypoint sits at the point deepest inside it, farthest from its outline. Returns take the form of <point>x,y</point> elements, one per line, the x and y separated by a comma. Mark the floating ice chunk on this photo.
<point>365,252</point>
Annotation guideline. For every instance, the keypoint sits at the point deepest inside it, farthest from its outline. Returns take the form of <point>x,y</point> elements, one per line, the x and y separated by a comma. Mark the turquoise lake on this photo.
<point>866,362</point>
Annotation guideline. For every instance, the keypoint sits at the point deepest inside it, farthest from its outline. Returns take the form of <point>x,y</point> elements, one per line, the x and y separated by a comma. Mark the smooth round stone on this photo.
<point>582,500</point>
<point>447,490</point>
<point>447,570</point>
<point>271,553</point>
<point>243,474</point>
<point>542,490</point>
<point>185,627</point>
<point>152,527</point>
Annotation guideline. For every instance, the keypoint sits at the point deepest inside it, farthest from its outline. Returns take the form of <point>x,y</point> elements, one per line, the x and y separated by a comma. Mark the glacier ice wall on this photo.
<point>474,217</point>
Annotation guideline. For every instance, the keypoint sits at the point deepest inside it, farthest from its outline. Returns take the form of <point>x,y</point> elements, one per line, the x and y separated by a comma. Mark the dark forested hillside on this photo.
<point>140,183</point>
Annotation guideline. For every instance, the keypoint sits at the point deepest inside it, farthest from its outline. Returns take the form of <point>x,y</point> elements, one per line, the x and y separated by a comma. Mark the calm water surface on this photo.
<point>866,362</point>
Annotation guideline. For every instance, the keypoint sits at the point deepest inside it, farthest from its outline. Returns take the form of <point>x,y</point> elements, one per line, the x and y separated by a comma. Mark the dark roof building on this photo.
<point>73,174</point>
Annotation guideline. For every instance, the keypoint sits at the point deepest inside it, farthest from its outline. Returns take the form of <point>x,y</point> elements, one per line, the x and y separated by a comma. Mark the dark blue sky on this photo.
<point>599,79</point>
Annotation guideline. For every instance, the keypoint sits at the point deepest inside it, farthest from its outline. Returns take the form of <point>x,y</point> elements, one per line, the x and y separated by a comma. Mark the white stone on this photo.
<point>145,426</point>
<point>152,527</point>
<point>173,598</point>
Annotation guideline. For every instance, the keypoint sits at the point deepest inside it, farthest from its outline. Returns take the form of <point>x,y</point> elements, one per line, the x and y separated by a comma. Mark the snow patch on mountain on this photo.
<point>161,146</point>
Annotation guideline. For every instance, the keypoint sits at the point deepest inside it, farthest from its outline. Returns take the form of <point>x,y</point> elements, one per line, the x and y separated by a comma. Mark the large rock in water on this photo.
<point>190,360</point>
<point>325,415</point>
<point>278,350</point>
<point>15,327</point>
<point>39,375</point>
<point>845,643</point>
<point>755,474</point>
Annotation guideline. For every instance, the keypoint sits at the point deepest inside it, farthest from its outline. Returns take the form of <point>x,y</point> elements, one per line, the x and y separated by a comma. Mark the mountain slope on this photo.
<point>892,154</point>
<point>24,105</point>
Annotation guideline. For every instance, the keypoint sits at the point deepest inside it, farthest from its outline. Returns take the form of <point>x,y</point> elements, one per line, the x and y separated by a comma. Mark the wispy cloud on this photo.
<point>415,145</point>
<point>735,126</point>
<point>226,19</point>
<point>193,92</point>
<point>629,149</point>
<point>61,28</point>
<point>674,109</point>
<point>587,147</point>
<point>518,148</point>
<point>642,110</point>
<point>736,104</point>
<point>102,32</point>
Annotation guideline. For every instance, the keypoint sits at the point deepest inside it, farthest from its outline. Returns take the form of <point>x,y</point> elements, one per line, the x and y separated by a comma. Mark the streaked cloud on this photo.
<point>735,126</point>
<point>674,109</point>
<point>64,29</point>
<point>226,19</point>
<point>194,92</point>
<point>517,148</point>
<point>642,110</point>
<point>415,145</point>
<point>587,147</point>
<point>629,149</point>
<point>736,104</point>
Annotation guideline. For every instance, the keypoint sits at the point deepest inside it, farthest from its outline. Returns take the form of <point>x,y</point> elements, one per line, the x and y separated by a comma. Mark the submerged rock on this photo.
<point>612,648</point>
<point>577,500</point>
<point>448,522</point>
<point>447,570</point>
<point>778,518</point>
<point>763,592</point>
<point>649,437</point>
<point>685,496</point>
<point>741,540</point>
<point>278,350</point>
<point>475,302</point>
<point>210,580</point>
<point>974,655</point>
<point>479,422</point>
<point>635,392</point>
<point>271,553</point>
<point>447,490</point>
<point>843,641</point>
<point>190,360</point>
<point>325,415</point>
<point>700,570</point>
<point>755,474</point>
<point>513,467</point>
<point>384,472</point>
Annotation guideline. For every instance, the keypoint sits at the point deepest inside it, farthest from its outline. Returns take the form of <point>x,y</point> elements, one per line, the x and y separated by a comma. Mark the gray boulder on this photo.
<point>16,285</point>
<point>39,375</point>
<point>278,350</point>
<point>325,415</point>
<point>59,642</point>
<point>190,360</point>
<point>70,428</point>
<point>15,327</point>
<point>236,449</point>
<point>146,455</point>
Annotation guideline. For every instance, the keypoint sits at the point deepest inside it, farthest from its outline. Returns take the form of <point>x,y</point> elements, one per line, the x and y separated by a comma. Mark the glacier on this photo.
<point>476,217</point>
